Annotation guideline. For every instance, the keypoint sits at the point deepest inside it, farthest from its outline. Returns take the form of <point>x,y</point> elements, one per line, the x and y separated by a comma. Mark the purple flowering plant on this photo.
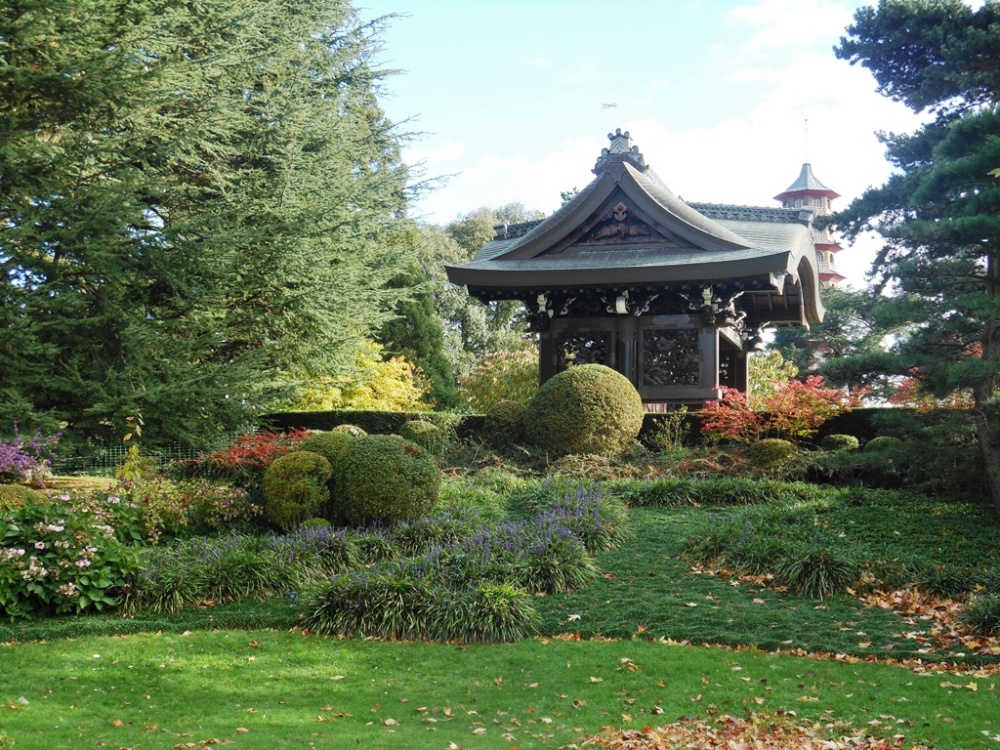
<point>26,460</point>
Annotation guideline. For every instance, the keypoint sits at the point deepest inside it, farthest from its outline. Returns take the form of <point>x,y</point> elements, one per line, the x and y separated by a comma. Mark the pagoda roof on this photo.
<point>806,184</point>
<point>626,228</point>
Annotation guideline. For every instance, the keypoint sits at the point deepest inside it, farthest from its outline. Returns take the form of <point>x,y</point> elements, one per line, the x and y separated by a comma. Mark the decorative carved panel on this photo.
<point>583,348</point>
<point>671,357</point>
<point>620,226</point>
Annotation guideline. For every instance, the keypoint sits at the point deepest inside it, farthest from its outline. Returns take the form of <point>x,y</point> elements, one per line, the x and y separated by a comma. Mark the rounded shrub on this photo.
<point>385,478</point>
<point>585,409</point>
<point>330,445</point>
<point>770,454</point>
<point>350,429</point>
<point>882,443</point>
<point>503,425</point>
<point>425,434</point>
<point>15,495</point>
<point>839,443</point>
<point>295,488</point>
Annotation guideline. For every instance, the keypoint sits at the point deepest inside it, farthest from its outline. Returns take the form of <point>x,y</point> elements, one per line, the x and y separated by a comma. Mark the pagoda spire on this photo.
<point>808,192</point>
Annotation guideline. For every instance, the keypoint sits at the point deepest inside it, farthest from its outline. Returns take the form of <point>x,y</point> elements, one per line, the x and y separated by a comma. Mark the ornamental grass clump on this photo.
<point>334,550</point>
<point>536,554</point>
<point>598,519</point>
<point>217,569</point>
<point>400,603</point>
<point>587,409</point>
<point>388,602</point>
<point>439,530</point>
<point>982,616</point>
<point>817,570</point>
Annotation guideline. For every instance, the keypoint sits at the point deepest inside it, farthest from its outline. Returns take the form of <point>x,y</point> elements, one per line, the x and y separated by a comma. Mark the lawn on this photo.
<point>283,689</point>
<point>655,637</point>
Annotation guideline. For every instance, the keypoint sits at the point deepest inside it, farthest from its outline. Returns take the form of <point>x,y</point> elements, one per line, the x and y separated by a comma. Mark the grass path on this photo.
<point>257,689</point>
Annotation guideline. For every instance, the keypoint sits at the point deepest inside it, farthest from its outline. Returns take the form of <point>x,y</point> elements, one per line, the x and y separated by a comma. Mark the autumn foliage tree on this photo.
<point>794,411</point>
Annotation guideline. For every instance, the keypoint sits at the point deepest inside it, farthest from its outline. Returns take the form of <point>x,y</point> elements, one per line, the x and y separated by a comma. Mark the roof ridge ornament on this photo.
<point>620,149</point>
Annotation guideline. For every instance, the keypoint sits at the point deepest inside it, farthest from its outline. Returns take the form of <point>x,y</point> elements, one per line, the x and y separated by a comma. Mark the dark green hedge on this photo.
<point>371,421</point>
<point>862,423</point>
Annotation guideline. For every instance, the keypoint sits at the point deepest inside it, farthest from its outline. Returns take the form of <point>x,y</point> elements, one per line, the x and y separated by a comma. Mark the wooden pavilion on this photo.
<point>671,294</point>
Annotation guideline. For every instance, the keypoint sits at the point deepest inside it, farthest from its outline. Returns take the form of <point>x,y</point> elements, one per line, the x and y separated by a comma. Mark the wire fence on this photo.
<point>106,460</point>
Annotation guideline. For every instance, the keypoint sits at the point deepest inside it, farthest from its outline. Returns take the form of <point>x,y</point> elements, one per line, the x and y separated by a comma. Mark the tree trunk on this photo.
<point>989,447</point>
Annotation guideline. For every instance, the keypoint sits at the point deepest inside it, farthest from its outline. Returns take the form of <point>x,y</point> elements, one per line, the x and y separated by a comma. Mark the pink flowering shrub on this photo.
<point>65,557</point>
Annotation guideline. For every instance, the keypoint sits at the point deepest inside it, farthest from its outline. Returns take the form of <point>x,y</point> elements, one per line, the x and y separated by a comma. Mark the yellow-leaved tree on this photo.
<point>392,384</point>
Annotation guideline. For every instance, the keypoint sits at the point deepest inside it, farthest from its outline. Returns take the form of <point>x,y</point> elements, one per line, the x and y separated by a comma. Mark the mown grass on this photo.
<point>211,671</point>
<point>257,689</point>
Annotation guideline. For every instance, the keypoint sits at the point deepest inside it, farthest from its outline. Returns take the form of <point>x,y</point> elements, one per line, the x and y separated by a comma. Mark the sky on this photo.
<point>513,101</point>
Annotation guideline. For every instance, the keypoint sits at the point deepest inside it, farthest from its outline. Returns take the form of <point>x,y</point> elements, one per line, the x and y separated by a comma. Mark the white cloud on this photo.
<point>782,24</point>
<point>447,153</point>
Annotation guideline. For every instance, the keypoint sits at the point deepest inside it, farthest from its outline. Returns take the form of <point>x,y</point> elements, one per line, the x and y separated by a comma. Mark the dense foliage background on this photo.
<point>201,207</point>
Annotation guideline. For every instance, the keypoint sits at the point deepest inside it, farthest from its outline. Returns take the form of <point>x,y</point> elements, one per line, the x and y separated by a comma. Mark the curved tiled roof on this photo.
<point>677,242</point>
<point>806,184</point>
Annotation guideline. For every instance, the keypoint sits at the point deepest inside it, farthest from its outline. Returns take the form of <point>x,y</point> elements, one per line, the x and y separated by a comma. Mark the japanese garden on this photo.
<point>282,466</point>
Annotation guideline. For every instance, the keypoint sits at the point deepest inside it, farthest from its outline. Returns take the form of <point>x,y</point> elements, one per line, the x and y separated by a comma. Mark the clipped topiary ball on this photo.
<point>839,443</point>
<point>503,424</point>
<point>295,488</point>
<point>330,445</point>
<point>585,409</point>
<point>350,429</point>
<point>386,478</point>
<point>882,443</point>
<point>425,434</point>
<point>15,495</point>
<point>770,454</point>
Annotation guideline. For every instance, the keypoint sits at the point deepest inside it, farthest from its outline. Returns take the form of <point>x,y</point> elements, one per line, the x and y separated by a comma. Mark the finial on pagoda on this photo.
<point>620,150</point>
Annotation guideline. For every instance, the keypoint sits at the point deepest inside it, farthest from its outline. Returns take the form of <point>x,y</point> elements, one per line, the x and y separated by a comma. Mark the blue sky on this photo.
<point>514,99</point>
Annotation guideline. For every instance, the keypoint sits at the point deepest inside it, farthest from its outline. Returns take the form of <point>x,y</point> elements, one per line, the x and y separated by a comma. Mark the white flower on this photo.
<point>82,563</point>
<point>39,545</point>
<point>54,527</point>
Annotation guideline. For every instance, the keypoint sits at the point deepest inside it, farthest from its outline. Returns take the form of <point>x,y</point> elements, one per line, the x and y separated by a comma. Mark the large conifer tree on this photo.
<point>940,213</point>
<point>195,197</point>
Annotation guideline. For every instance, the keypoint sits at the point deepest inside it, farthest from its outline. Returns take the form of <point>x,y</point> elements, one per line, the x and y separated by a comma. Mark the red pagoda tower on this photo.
<point>809,193</point>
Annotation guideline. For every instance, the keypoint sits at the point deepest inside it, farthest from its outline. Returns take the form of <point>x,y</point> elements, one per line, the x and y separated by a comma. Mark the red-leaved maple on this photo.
<point>793,410</point>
